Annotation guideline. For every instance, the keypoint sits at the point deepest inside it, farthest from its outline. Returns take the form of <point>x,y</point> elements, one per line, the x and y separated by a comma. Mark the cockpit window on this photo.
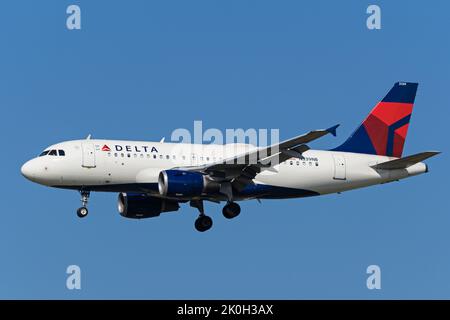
<point>59,152</point>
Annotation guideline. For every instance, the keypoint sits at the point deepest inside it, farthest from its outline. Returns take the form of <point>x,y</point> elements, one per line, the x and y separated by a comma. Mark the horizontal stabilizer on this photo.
<point>405,162</point>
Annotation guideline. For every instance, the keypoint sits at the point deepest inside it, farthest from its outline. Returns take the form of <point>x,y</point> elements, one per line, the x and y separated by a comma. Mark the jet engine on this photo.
<point>182,183</point>
<point>138,206</point>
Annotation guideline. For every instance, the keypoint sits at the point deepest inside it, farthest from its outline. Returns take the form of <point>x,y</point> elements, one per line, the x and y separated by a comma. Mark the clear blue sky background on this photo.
<point>139,69</point>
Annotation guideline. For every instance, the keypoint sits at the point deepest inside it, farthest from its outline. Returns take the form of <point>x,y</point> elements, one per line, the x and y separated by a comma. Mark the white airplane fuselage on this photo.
<point>134,166</point>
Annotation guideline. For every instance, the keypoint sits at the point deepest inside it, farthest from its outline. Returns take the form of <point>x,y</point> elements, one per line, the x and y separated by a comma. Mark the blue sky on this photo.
<point>139,69</point>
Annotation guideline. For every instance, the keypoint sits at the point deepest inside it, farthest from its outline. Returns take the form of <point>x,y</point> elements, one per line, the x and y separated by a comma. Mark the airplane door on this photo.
<point>88,158</point>
<point>339,167</point>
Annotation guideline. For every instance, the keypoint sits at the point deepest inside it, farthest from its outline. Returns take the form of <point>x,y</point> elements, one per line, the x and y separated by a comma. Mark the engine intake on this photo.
<point>138,206</point>
<point>185,183</point>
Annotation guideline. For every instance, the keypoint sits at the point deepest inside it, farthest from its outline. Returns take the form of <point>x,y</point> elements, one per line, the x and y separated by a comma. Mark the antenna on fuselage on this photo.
<point>162,140</point>
<point>88,137</point>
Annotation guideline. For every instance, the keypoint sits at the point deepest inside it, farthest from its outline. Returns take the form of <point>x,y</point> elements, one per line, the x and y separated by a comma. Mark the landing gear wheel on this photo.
<point>203,223</point>
<point>82,212</point>
<point>231,210</point>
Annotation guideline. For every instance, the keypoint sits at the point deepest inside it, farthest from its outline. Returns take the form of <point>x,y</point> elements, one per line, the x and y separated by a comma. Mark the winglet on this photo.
<point>332,130</point>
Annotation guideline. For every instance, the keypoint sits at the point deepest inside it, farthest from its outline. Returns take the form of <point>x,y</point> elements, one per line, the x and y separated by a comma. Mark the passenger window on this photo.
<point>52,153</point>
<point>160,156</point>
<point>154,156</point>
<point>167,157</point>
<point>115,154</point>
<point>291,163</point>
<point>142,155</point>
<point>61,153</point>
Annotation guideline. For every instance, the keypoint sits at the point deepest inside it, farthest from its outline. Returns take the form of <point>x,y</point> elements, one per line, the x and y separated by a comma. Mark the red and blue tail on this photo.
<point>384,130</point>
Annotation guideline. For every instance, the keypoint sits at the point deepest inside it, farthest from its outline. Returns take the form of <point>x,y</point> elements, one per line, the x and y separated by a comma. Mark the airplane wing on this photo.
<point>241,169</point>
<point>405,162</point>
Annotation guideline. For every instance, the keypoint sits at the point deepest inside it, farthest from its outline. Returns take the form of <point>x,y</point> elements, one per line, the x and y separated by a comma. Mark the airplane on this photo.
<point>156,177</point>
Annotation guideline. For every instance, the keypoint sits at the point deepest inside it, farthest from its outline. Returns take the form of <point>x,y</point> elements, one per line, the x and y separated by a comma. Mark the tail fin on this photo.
<point>384,130</point>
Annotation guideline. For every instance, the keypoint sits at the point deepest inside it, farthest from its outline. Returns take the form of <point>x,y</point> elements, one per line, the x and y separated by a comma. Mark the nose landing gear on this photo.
<point>83,210</point>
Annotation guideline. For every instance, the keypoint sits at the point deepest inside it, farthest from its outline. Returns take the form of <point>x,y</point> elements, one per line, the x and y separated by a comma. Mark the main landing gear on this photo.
<point>83,210</point>
<point>204,223</point>
<point>231,210</point>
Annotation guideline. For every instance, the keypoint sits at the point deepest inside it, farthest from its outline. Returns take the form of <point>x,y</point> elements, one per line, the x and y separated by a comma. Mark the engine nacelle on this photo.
<point>185,183</point>
<point>138,206</point>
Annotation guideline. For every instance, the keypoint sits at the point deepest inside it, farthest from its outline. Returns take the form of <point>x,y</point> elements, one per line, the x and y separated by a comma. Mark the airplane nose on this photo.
<point>38,171</point>
<point>27,170</point>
